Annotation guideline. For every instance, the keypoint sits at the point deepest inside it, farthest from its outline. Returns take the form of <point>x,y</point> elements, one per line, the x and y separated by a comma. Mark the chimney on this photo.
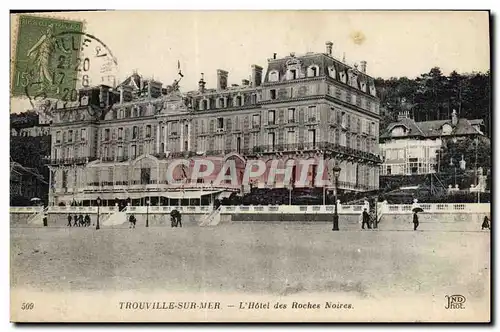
<point>256,75</point>
<point>222,79</point>
<point>201,84</point>
<point>363,66</point>
<point>245,82</point>
<point>329,46</point>
<point>274,56</point>
<point>403,115</point>
<point>454,118</point>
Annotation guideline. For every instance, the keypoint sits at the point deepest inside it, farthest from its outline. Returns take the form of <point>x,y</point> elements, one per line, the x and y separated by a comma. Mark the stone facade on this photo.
<point>117,143</point>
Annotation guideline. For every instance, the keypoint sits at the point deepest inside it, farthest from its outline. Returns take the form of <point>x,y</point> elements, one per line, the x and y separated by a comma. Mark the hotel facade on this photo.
<point>117,142</point>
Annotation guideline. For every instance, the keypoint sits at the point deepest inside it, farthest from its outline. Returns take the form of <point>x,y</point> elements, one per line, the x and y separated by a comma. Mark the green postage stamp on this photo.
<point>46,60</point>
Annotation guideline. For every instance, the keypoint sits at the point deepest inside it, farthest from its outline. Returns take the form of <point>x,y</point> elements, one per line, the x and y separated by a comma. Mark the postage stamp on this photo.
<point>55,59</point>
<point>42,63</point>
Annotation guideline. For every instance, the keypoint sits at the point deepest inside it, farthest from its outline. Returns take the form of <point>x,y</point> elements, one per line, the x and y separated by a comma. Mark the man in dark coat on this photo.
<point>75,220</point>
<point>69,220</point>
<point>132,221</point>
<point>415,221</point>
<point>366,220</point>
<point>80,220</point>
<point>486,223</point>
<point>87,220</point>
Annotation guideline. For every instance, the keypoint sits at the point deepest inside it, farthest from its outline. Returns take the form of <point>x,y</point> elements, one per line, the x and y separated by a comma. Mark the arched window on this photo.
<point>274,76</point>
<point>238,101</point>
<point>204,104</point>
<point>312,71</point>
<point>292,74</point>
<point>221,102</point>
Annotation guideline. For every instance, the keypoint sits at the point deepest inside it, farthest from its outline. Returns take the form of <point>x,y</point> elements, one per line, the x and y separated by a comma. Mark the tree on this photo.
<point>454,150</point>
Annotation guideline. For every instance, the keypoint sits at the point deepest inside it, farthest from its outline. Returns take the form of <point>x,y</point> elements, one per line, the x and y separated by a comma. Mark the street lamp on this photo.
<point>147,212</point>
<point>98,205</point>
<point>336,172</point>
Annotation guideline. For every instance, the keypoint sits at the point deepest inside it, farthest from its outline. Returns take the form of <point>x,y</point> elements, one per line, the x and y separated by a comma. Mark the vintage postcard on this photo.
<point>250,166</point>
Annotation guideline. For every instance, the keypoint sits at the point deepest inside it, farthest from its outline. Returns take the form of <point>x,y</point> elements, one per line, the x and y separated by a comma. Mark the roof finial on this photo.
<point>343,58</point>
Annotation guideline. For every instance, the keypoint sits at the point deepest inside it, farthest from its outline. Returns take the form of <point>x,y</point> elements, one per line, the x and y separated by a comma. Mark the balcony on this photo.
<point>339,149</point>
<point>71,161</point>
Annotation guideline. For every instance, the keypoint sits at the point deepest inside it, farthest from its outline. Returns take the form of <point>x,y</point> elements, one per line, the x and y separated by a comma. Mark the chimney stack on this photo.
<point>256,75</point>
<point>329,47</point>
<point>222,79</point>
<point>363,66</point>
<point>245,82</point>
<point>201,84</point>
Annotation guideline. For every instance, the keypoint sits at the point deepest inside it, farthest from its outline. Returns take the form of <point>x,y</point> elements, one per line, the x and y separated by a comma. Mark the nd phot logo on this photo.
<point>455,302</point>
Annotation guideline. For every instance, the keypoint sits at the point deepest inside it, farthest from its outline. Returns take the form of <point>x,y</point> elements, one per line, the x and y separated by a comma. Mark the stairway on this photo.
<point>114,219</point>
<point>211,219</point>
<point>37,217</point>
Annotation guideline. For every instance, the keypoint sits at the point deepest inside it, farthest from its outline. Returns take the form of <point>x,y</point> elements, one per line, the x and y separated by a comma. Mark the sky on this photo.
<point>394,44</point>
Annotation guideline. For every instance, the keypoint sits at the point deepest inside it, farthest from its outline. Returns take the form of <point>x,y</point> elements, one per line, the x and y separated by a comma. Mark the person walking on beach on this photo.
<point>87,220</point>
<point>486,223</point>
<point>132,221</point>
<point>415,221</point>
<point>366,220</point>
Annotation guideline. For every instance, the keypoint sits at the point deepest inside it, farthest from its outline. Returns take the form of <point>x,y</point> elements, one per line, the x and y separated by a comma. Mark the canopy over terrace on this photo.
<point>180,197</point>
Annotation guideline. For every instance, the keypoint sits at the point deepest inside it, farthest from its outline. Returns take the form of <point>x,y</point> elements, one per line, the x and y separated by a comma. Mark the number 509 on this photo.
<point>27,306</point>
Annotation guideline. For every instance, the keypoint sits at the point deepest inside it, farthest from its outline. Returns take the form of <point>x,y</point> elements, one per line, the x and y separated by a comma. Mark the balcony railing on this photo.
<point>317,146</point>
<point>71,161</point>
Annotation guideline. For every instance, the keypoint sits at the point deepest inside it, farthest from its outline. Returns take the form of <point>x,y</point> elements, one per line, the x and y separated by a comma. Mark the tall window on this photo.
<point>272,94</point>
<point>238,144</point>
<point>148,131</point>
<point>271,119</point>
<point>70,136</point>
<point>120,151</point>
<point>133,151</point>
<point>255,139</point>
<point>220,124</point>
<point>65,179</point>
<point>106,134</point>
<point>291,115</point>
<point>58,137</point>
<point>290,138</point>
<point>271,140</point>
<point>312,114</point>
<point>83,134</point>
<point>145,175</point>
<point>312,137</point>
<point>120,133</point>
<point>256,121</point>
<point>135,132</point>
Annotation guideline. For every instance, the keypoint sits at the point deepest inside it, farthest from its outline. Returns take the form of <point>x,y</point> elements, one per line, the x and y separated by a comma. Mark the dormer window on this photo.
<point>312,71</point>
<point>446,129</point>
<point>398,131</point>
<point>204,104</point>
<point>292,74</point>
<point>237,101</point>
<point>274,76</point>
<point>221,102</point>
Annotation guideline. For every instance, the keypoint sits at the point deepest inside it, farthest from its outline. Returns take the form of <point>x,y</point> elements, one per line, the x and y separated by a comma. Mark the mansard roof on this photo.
<point>430,129</point>
<point>326,66</point>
